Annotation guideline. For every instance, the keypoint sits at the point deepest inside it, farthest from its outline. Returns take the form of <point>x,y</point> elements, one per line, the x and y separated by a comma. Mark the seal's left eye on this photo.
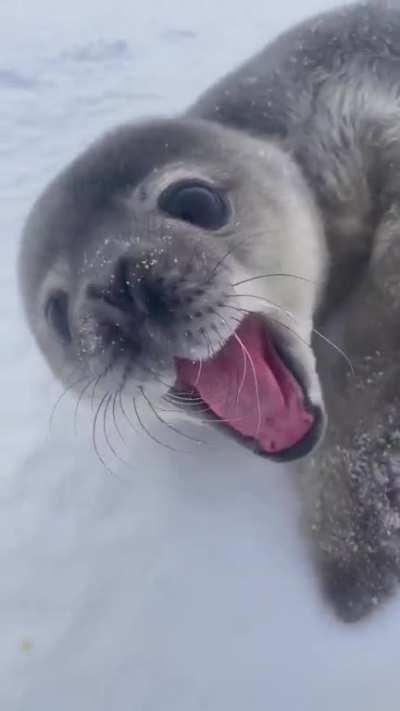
<point>195,202</point>
<point>57,315</point>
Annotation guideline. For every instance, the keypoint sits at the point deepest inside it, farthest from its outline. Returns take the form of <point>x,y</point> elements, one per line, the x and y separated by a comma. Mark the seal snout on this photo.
<point>153,304</point>
<point>136,293</point>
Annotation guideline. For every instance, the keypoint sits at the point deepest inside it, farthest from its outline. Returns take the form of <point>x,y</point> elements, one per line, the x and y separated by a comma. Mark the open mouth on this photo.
<point>247,388</point>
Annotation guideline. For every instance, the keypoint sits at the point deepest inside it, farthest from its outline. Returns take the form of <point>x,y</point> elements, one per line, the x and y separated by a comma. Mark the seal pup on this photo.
<point>243,258</point>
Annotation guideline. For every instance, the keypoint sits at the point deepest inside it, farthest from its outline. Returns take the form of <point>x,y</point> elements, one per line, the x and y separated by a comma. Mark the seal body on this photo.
<point>329,91</point>
<point>253,242</point>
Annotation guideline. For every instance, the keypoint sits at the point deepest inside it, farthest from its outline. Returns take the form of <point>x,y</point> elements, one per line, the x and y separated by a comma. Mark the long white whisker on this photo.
<point>150,434</point>
<point>252,366</point>
<point>278,274</point>
<point>294,318</point>
<point>197,380</point>
<point>167,424</point>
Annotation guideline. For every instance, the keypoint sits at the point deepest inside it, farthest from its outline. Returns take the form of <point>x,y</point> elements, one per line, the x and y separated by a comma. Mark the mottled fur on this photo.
<point>329,90</point>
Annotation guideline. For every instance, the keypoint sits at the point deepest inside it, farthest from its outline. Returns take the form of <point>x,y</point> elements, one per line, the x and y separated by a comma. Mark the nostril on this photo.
<point>157,303</point>
<point>143,295</point>
<point>120,290</point>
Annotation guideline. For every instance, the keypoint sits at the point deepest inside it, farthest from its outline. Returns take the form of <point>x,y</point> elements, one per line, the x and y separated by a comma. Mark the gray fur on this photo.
<point>323,102</point>
<point>329,91</point>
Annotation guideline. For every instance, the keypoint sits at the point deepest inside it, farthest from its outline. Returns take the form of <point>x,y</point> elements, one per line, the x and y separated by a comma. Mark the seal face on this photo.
<point>166,261</point>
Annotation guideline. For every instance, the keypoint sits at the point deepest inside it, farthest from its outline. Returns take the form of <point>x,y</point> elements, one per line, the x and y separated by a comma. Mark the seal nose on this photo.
<point>137,295</point>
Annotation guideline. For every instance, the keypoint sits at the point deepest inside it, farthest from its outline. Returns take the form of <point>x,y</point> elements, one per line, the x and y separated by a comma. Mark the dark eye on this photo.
<point>57,315</point>
<point>196,203</point>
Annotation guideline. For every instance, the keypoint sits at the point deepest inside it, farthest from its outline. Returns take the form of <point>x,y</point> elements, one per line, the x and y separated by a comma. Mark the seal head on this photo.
<point>181,259</point>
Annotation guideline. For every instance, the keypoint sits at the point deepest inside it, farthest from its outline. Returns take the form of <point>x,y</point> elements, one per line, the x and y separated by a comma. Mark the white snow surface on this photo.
<point>182,583</point>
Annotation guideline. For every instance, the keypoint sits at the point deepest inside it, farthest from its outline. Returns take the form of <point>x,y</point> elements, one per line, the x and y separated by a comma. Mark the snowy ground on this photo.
<point>184,586</point>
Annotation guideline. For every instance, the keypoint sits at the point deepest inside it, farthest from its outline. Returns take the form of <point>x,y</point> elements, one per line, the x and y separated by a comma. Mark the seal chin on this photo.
<point>252,389</point>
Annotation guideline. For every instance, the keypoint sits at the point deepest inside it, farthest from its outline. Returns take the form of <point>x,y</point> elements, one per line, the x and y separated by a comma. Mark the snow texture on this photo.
<point>182,583</point>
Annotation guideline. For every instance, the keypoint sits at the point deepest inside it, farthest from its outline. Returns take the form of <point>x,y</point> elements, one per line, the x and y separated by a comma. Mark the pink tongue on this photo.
<point>247,385</point>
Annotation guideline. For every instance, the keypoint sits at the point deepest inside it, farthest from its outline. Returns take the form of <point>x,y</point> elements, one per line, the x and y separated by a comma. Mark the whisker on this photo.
<point>150,434</point>
<point>155,375</point>
<point>261,298</point>
<point>60,398</point>
<point>273,275</point>
<point>238,309</point>
<point>221,344</point>
<point>210,420</point>
<point>211,351</point>
<point>179,412</point>
<point>252,366</point>
<point>124,412</point>
<point>79,400</point>
<point>318,333</point>
<point>115,417</point>
<point>220,420</point>
<point>96,384</point>
<point>183,397</point>
<point>202,333</point>
<point>336,348</point>
<point>274,320</point>
<point>243,380</point>
<point>94,439</point>
<point>197,380</point>
<point>237,244</point>
<point>197,407</point>
<point>167,424</point>
<point>106,435</point>
<point>186,403</point>
<point>219,264</point>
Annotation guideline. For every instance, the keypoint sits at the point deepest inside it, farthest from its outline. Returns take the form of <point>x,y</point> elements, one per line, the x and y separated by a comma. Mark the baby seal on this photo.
<point>244,257</point>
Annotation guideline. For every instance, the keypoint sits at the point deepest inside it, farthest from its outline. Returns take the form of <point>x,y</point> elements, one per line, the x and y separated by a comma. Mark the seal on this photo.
<point>242,259</point>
